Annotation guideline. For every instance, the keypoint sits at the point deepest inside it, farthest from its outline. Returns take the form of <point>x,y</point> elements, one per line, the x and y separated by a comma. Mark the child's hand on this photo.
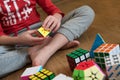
<point>26,38</point>
<point>52,22</point>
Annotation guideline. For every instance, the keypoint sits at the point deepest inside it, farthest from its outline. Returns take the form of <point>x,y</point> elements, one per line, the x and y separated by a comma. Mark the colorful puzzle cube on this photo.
<point>43,32</point>
<point>88,70</point>
<point>42,75</point>
<point>77,56</point>
<point>105,50</point>
<point>30,71</point>
<point>112,63</point>
<point>62,77</point>
<point>97,42</point>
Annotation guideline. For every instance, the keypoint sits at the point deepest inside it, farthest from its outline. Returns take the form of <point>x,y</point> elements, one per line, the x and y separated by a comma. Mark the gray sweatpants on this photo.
<point>73,25</point>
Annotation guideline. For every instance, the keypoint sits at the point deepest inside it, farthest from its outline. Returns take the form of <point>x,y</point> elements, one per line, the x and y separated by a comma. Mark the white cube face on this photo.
<point>77,60</point>
<point>82,57</point>
<point>87,55</point>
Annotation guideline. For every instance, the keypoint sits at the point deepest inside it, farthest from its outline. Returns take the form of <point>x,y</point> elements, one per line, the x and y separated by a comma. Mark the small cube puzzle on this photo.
<point>62,77</point>
<point>43,32</point>
<point>105,50</point>
<point>42,75</point>
<point>30,71</point>
<point>77,56</point>
<point>88,70</point>
<point>112,63</point>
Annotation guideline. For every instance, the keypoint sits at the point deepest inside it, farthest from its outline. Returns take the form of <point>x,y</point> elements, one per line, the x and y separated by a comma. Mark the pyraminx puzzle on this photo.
<point>88,70</point>
<point>105,50</point>
<point>77,56</point>
<point>112,63</point>
<point>97,42</point>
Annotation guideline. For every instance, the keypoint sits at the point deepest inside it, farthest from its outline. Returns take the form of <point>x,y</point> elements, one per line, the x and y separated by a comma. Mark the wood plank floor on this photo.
<point>107,23</point>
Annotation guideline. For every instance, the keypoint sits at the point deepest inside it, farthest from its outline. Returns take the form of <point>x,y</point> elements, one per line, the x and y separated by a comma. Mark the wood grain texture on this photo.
<point>107,23</point>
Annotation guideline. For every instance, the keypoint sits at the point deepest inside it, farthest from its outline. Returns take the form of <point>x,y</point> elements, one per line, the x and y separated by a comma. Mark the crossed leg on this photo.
<point>40,54</point>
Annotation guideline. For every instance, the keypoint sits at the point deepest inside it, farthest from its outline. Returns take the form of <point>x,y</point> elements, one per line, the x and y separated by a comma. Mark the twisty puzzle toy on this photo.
<point>30,71</point>
<point>112,63</point>
<point>44,74</point>
<point>88,70</point>
<point>97,42</point>
<point>105,50</point>
<point>62,77</point>
<point>42,32</point>
<point>77,56</point>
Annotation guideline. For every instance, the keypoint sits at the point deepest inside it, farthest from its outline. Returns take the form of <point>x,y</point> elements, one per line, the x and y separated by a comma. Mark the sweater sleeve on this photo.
<point>49,7</point>
<point>1,31</point>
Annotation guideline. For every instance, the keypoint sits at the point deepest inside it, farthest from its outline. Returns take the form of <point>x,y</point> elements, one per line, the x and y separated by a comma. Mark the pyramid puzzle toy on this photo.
<point>112,63</point>
<point>88,70</point>
<point>44,74</point>
<point>30,71</point>
<point>103,51</point>
<point>77,56</point>
<point>97,42</point>
<point>62,77</point>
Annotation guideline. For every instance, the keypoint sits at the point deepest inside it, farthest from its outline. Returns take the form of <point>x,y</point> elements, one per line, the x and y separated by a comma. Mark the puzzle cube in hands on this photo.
<point>43,32</point>
<point>44,74</point>
<point>88,70</point>
<point>112,63</point>
<point>77,56</point>
<point>105,50</point>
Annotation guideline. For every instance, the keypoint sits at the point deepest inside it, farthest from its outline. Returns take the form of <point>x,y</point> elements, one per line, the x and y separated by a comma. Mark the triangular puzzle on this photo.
<point>97,42</point>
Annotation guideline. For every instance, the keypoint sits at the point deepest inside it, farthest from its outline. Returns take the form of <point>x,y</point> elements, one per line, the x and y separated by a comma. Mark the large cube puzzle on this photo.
<point>42,32</point>
<point>30,71</point>
<point>42,75</point>
<point>105,50</point>
<point>88,70</point>
<point>62,77</point>
<point>77,56</point>
<point>112,63</point>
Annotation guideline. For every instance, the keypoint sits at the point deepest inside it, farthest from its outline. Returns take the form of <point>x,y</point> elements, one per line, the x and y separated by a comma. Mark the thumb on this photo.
<point>32,31</point>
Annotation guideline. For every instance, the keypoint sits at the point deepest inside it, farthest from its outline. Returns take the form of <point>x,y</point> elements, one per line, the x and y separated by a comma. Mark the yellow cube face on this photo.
<point>43,32</point>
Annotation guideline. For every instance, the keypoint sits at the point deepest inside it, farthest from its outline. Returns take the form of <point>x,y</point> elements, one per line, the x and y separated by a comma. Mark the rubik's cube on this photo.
<point>77,56</point>
<point>88,70</point>
<point>62,77</point>
<point>105,50</point>
<point>43,32</point>
<point>112,63</point>
<point>42,75</point>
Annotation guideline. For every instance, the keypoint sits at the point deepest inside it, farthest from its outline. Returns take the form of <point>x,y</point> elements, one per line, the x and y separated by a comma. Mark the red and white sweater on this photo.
<point>18,14</point>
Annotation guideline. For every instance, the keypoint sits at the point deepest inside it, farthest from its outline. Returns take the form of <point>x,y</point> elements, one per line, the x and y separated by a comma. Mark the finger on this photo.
<point>49,23</point>
<point>31,31</point>
<point>46,21</point>
<point>57,27</point>
<point>53,25</point>
<point>36,39</point>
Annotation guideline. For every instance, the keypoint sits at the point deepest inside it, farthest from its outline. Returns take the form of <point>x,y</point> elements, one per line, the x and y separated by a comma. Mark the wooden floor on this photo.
<point>107,23</point>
